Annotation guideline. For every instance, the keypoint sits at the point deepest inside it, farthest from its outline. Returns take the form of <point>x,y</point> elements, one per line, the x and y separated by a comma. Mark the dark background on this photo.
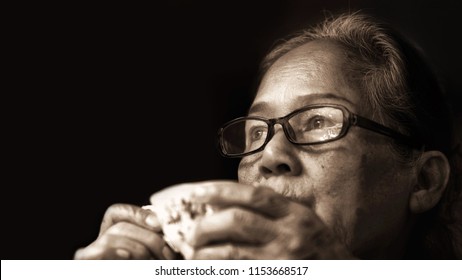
<point>111,103</point>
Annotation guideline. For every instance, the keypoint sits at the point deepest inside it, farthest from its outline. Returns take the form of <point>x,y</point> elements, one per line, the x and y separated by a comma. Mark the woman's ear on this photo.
<point>432,170</point>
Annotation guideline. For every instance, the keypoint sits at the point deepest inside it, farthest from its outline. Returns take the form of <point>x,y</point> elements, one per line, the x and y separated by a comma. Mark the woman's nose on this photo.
<point>279,157</point>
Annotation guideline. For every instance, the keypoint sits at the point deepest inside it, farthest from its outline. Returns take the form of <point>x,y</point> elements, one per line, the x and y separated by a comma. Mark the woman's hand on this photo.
<point>257,223</point>
<point>127,232</point>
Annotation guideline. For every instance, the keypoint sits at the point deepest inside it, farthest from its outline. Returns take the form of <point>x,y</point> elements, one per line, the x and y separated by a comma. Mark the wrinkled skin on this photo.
<point>343,199</point>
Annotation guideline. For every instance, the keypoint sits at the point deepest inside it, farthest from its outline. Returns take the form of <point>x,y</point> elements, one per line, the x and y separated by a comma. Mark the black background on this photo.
<point>107,104</point>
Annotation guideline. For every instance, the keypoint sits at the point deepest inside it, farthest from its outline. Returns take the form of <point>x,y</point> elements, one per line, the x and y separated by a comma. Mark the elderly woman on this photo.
<point>346,153</point>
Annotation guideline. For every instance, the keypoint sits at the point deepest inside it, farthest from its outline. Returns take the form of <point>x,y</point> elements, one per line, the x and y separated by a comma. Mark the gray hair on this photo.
<point>402,92</point>
<point>398,87</point>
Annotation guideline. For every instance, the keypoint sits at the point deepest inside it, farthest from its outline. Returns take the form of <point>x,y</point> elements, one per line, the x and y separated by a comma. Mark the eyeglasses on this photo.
<point>310,125</point>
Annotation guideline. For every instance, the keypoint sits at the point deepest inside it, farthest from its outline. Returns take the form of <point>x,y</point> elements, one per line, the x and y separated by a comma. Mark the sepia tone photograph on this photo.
<point>249,130</point>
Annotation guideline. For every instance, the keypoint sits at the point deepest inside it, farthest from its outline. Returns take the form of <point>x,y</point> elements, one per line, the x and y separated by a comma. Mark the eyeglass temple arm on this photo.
<point>378,128</point>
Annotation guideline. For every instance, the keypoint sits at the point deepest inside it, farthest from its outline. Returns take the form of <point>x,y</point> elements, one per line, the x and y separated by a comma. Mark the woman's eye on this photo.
<point>257,133</point>
<point>317,122</point>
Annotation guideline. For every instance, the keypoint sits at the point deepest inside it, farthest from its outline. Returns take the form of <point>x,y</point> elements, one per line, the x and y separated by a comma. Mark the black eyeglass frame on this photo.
<point>349,119</point>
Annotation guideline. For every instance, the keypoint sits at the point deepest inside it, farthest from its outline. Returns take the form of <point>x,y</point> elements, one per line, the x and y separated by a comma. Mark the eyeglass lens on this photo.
<point>314,125</point>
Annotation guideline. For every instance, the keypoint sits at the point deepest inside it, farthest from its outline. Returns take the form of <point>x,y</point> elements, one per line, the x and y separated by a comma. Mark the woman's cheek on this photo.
<point>247,172</point>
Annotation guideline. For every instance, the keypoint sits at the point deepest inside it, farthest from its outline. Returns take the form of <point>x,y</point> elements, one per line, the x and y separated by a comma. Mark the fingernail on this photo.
<point>170,244</point>
<point>149,207</point>
<point>152,221</point>
<point>122,253</point>
<point>187,252</point>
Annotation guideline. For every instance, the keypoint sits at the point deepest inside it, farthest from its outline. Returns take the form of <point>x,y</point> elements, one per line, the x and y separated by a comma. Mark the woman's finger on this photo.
<point>113,247</point>
<point>226,252</point>
<point>153,242</point>
<point>227,193</point>
<point>131,214</point>
<point>231,225</point>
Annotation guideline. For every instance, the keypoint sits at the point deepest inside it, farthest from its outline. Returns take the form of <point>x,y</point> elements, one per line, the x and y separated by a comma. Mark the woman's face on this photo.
<point>355,184</point>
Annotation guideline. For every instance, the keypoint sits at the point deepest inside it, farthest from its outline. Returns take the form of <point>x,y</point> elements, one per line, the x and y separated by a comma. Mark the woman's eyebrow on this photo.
<point>264,106</point>
<point>310,98</point>
<point>259,107</point>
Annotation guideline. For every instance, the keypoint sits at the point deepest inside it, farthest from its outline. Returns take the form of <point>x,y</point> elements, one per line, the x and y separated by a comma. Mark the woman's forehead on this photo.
<point>310,73</point>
